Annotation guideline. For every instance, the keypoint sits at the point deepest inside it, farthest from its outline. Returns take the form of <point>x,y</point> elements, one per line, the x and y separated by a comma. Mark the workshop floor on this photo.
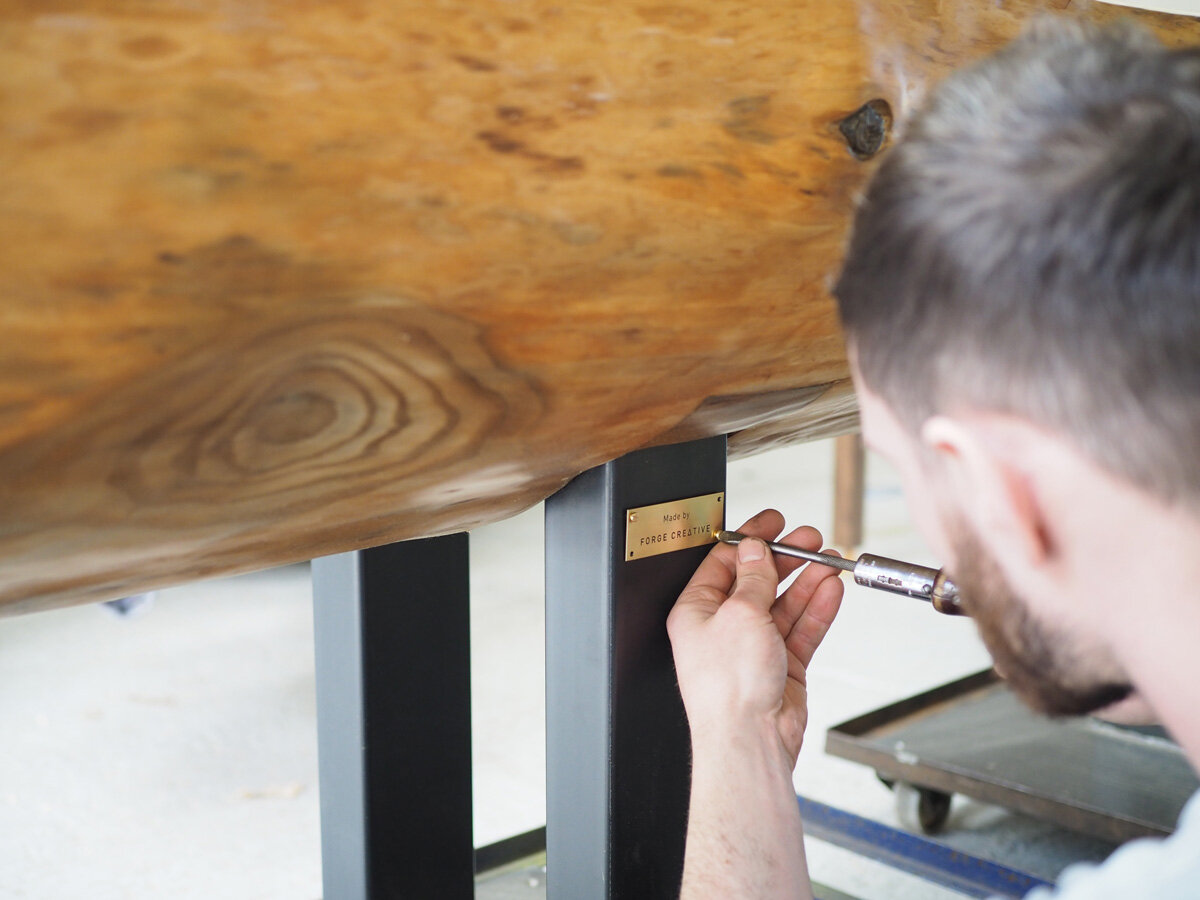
<point>172,753</point>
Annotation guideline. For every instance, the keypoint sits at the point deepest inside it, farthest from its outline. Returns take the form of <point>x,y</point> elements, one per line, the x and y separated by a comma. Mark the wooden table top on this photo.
<point>279,280</point>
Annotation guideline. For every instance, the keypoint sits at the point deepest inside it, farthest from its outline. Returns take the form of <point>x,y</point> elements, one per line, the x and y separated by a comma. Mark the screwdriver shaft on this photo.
<point>824,559</point>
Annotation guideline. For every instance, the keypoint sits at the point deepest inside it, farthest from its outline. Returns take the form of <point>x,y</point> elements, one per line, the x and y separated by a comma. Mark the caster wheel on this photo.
<point>923,808</point>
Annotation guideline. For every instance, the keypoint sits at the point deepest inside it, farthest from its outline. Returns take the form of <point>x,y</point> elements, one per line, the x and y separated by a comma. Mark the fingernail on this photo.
<point>750,550</point>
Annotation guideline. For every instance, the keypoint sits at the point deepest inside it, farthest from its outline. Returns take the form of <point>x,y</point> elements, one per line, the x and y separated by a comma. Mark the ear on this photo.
<point>990,487</point>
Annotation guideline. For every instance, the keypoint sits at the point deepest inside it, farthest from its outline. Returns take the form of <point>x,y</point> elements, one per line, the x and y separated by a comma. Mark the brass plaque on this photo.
<point>663,527</point>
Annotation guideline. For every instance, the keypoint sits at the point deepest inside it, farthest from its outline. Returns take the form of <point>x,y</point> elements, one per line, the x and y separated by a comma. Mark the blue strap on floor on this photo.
<point>911,853</point>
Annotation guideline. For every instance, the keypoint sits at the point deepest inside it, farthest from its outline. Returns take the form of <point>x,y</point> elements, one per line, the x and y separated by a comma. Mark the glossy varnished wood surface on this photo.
<point>284,279</point>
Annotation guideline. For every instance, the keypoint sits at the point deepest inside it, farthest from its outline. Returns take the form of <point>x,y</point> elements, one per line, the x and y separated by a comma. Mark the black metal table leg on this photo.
<point>394,721</point>
<point>618,753</point>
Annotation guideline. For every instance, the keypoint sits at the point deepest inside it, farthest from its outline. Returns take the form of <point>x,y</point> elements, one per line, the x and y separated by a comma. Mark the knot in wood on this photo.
<point>865,129</point>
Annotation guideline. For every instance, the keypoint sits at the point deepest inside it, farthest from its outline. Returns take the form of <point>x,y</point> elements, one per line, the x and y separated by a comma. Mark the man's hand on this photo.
<point>741,653</point>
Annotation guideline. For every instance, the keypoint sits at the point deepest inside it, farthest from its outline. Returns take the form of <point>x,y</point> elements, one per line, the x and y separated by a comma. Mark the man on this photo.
<point>1021,300</point>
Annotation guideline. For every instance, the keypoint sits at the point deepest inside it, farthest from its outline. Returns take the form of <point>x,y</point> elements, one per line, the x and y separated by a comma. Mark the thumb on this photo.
<point>757,580</point>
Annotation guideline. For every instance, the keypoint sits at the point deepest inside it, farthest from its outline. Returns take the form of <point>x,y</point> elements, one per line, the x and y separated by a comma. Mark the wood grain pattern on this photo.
<point>284,279</point>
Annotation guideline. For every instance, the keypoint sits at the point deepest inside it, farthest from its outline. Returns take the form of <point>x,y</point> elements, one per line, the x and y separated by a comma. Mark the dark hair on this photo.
<point>1032,245</point>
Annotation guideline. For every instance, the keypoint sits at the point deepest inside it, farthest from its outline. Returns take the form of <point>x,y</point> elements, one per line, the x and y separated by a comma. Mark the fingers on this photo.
<point>766,524</point>
<point>806,538</point>
<point>757,578</point>
<point>816,613</point>
<point>719,567</point>
<point>793,601</point>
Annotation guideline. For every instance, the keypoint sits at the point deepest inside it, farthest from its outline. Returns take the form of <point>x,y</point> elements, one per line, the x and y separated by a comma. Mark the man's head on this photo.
<point>1023,284</point>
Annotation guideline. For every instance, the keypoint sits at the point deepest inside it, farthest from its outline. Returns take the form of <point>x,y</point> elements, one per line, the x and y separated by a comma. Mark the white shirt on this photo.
<point>1158,868</point>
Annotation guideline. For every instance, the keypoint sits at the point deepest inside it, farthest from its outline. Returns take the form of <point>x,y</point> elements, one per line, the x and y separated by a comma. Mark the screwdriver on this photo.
<point>878,572</point>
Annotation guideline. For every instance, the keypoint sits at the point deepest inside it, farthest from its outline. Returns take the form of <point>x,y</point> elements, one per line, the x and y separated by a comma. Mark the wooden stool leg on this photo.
<point>848,478</point>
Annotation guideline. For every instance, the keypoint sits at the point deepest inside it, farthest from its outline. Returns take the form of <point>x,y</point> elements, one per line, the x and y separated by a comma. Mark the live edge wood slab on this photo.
<point>281,279</point>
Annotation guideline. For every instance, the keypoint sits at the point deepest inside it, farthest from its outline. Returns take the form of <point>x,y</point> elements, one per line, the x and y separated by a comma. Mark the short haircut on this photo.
<point>1031,245</point>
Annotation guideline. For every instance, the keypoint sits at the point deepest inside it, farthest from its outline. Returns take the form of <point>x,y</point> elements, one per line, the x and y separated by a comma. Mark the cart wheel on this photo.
<point>923,808</point>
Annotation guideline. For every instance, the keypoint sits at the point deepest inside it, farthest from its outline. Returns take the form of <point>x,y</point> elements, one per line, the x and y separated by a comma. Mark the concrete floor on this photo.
<point>172,753</point>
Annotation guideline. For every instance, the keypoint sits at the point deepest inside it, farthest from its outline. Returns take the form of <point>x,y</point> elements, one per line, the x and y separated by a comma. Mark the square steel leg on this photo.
<point>393,654</point>
<point>618,751</point>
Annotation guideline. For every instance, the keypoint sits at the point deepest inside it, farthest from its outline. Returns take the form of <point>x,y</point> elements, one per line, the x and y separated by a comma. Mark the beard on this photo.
<point>1044,670</point>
